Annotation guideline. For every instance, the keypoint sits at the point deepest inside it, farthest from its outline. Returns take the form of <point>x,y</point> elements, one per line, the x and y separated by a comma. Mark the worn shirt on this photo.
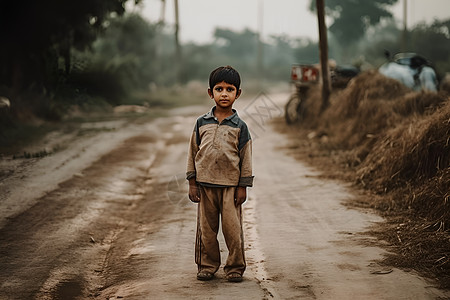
<point>220,154</point>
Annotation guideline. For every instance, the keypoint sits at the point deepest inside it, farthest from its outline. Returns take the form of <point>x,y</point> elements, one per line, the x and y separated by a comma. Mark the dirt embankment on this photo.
<point>395,144</point>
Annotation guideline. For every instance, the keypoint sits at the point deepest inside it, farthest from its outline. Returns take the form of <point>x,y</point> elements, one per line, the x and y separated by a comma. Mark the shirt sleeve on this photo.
<point>192,152</point>
<point>245,153</point>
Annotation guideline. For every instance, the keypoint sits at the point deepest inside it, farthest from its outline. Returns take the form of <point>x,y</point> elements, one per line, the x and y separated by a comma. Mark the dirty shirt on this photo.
<point>220,154</point>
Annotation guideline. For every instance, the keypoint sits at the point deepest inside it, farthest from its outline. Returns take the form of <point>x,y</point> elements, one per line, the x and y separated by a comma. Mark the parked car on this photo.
<point>411,69</point>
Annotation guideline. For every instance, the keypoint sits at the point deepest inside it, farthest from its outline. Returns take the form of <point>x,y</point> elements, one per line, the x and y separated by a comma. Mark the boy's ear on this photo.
<point>238,93</point>
<point>210,93</point>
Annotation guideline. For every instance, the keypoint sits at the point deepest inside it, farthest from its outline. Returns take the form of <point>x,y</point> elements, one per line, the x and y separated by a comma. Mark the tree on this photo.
<point>239,47</point>
<point>433,42</point>
<point>36,34</point>
<point>121,61</point>
<point>351,18</point>
<point>237,43</point>
<point>323,46</point>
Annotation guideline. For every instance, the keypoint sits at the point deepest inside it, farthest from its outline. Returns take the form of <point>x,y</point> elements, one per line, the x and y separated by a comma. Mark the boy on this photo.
<point>219,170</point>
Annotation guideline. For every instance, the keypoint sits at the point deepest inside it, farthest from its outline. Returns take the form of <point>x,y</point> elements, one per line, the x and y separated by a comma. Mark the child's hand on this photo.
<point>194,193</point>
<point>240,195</point>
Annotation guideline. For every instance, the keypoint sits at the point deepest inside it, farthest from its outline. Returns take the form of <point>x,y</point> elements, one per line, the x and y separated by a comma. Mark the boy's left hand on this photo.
<point>240,195</point>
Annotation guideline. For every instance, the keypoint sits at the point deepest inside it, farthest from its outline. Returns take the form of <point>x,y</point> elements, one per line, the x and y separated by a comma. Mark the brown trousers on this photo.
<point>216,201</point>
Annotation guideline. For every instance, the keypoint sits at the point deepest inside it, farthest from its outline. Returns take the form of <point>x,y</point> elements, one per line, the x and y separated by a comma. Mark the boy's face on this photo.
<point>224,94</point>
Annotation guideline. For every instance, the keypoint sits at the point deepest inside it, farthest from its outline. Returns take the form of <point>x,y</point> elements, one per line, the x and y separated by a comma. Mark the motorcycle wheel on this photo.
<point>291,110</point>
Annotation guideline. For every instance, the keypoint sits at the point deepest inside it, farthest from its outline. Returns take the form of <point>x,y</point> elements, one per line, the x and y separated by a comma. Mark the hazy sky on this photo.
<point>199,18</point>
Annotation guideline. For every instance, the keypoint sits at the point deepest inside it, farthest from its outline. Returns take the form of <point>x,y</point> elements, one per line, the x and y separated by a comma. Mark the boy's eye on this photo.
<point>229,89</point>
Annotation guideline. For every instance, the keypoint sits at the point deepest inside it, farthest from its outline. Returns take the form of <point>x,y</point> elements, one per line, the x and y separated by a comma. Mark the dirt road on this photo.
<point>108,218</point>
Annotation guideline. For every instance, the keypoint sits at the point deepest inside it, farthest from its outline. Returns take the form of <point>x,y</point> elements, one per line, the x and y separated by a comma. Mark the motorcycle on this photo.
<point>305,76</point>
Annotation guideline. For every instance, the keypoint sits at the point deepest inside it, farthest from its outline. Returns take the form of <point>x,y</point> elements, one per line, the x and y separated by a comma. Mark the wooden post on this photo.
<point>260,53</point>
<point>178,59</point>
<point>162,15</point>
<point>405,26</point>
<point>159,36</point>
<point>323,47</point>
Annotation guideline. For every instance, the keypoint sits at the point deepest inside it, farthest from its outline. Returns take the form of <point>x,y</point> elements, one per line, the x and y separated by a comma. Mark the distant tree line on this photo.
<point>360,30</point>
<point>58,53</point>
<point>352,18</point>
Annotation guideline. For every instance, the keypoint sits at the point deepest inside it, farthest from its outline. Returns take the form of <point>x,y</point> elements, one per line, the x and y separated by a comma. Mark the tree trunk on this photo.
<point>178,59</point>
<point>323,47</point>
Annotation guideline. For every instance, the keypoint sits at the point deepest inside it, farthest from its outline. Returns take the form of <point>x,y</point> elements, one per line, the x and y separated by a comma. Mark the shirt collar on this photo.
<point>233,118</point>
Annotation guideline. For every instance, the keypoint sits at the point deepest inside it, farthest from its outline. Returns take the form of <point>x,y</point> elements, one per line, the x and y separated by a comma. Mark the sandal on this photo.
<point>204,276</point>
<point>234,277</point>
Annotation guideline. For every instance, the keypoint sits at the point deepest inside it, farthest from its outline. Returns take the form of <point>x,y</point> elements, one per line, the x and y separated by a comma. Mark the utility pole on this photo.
<point>323,47</point>
<point>260,53</point>
<point>159,36</point>
<point>178,59</point>
<point>405,26</point>
<point>162,15</point>
<point>159,27</point>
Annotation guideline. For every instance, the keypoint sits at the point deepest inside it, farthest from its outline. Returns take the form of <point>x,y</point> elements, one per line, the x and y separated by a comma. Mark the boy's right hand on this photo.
<point>194,193</point>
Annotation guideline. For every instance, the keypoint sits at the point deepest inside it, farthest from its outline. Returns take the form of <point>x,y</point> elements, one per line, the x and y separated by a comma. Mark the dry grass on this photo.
<point>394,143</point>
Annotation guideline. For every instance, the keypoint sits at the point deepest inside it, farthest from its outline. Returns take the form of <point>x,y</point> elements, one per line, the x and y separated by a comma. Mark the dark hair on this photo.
<point>227,74</point>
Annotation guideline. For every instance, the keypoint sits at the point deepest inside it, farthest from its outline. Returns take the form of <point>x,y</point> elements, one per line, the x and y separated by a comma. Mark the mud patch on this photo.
<point>67,290</point>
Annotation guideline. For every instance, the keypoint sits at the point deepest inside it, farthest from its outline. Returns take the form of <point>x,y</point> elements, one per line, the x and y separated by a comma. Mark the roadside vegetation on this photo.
<point>394,144</point>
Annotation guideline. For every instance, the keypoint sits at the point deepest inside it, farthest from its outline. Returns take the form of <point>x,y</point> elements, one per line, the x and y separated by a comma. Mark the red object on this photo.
<point>304,73</point>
